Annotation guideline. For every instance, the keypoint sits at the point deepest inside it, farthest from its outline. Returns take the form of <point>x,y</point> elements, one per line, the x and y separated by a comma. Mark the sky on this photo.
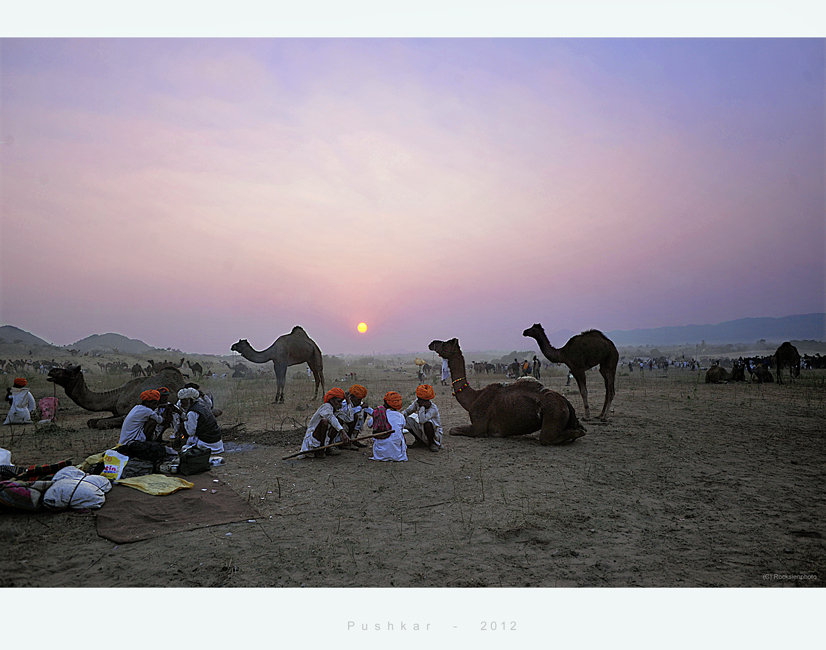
<point>190,192</point>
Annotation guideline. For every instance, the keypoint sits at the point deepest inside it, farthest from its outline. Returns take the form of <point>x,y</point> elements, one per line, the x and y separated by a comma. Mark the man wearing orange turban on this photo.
<point>22,403</point>
<point>325,427</point>
<point>392,445</point>
<point>133,424</point>
<point>422,419</point>
<point>352,413</point>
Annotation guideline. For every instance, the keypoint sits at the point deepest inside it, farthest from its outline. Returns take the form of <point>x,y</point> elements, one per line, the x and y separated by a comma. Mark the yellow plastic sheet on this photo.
<point>157,484</point>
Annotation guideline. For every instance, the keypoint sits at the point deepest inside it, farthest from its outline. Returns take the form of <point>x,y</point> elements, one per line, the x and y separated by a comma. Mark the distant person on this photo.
<point>536,366</point>
<point>199,423</point>
<point>21,402</point>
<point>390,446</point>
<point>324,426</point>
<point>422,419</point>
<point>133,428</point>
<point>445,376</point>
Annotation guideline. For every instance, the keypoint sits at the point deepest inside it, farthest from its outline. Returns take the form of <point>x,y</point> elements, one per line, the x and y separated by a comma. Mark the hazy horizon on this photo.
<point>557,338</point>
<point>193,192</point>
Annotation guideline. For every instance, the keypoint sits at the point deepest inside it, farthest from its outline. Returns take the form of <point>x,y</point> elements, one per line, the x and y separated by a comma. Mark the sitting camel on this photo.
<point>787,356</point>
<point>118,400</point>
<point>580,353</point>
<point>500,410</point>
<point>717,375</point>
<point>288,350</point>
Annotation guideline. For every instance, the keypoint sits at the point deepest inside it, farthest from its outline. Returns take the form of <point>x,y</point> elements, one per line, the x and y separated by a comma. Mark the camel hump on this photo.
<point>298,330</point>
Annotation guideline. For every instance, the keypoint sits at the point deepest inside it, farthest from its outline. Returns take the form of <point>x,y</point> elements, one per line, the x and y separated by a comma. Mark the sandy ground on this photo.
<point>686,485</point>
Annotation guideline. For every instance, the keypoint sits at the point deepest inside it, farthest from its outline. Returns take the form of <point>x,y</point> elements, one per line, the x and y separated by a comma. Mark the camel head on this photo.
<point>534,330</point>
<point>445,349</point>
<point>64,376</point>
<point>242,344</point>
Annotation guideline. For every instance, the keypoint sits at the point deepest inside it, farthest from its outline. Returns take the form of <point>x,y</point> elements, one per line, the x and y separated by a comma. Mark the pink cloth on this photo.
<point>48,408</point>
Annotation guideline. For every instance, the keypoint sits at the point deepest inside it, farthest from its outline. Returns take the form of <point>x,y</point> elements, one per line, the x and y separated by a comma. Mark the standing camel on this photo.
<point>787,356</point>
<point>580,353</point>
<point>288,350</point>
<point>517,409</point>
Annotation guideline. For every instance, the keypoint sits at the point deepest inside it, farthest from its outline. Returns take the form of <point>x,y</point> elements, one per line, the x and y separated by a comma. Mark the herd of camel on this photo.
<point>497,410</point>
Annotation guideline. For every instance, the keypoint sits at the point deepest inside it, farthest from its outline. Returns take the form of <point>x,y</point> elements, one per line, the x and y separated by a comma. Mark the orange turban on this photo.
<point>394,400</point>
<point>150,395</point>
<point>333,392</point>
<point>19,382</point>
<point>425,391</point>
<point>357,390</point>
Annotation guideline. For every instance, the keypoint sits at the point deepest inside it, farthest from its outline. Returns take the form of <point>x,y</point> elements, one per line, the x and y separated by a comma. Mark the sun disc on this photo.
<point>362,327</point>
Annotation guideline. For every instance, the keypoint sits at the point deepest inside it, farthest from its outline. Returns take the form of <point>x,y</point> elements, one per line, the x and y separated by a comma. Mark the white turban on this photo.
<point>188,393</point>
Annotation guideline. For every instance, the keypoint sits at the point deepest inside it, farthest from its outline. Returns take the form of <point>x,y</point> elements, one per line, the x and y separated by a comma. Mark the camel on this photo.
<point>118,400</point>
<point>787,356</point>
<point>196,368</point>
<point>759,373</point>
<point>137,370</point>
<point>717,375</point>
<point>288,350</point>
<point>501,410</point>
<point>580,353</point>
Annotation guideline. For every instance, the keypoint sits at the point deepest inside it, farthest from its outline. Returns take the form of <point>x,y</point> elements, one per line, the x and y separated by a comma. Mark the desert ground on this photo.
<point>687,484</point>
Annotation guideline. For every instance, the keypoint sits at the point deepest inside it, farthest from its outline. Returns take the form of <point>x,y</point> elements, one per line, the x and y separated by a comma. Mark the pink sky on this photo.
<point>189,193</point>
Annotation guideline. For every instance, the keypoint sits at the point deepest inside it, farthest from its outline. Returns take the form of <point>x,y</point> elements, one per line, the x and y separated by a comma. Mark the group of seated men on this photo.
<point>343,414</point>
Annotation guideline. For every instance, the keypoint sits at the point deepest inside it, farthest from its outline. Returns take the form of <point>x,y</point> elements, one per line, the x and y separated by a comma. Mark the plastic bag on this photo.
<point>5,457</point>
<point>113,464</point>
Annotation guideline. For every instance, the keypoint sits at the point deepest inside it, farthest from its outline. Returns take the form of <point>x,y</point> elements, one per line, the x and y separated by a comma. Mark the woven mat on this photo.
<point>130,515</point>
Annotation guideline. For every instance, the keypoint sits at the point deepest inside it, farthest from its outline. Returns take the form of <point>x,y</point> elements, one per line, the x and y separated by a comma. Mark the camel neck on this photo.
<point>550,352</point>
<point>462,391</point>
<point>251,354</point>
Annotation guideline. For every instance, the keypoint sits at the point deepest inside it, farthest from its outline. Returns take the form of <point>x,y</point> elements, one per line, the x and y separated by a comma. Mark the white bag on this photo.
<point>5,456</point>
<point>113,464</point>
<point>73,488</point>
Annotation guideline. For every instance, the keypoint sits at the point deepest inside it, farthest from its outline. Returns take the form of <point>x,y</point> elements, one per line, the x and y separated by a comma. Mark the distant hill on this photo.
<point>111,342</point>
<point>12,334</point>
<point>743,330</point>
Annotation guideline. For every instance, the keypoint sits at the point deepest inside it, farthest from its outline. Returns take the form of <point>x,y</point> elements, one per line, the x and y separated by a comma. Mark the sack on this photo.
<point>194,461</point>
<point>113,464</point>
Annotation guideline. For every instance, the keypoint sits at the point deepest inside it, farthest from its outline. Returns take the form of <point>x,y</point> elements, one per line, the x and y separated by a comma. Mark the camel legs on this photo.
<point>579,376</point>
<point>608,374</point>
<point>280,380</point>
<point>319,380</point>
<point>466,430</point>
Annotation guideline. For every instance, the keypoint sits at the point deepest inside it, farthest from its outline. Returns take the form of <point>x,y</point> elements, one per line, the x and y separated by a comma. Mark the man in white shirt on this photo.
<point>325,426</point>
<point>136,419</point>
<point>422,419</point>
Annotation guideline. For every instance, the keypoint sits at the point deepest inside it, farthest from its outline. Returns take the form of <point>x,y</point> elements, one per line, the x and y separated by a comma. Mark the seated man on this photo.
<point>133,424</point>
<point>352,413</point>
<point>201,428</point>
<point>390,446</point>
<point>422,419</point>
<point>325,426</point>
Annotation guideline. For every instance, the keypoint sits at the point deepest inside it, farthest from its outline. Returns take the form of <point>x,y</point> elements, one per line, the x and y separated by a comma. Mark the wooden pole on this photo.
<point>336,444</point>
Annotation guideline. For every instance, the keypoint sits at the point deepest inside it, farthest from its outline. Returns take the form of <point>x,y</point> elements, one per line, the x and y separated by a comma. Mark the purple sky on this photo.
<point>191,192</point>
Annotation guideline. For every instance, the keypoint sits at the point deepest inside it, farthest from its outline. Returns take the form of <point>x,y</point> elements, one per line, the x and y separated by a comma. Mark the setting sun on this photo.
<point>362,327</point>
